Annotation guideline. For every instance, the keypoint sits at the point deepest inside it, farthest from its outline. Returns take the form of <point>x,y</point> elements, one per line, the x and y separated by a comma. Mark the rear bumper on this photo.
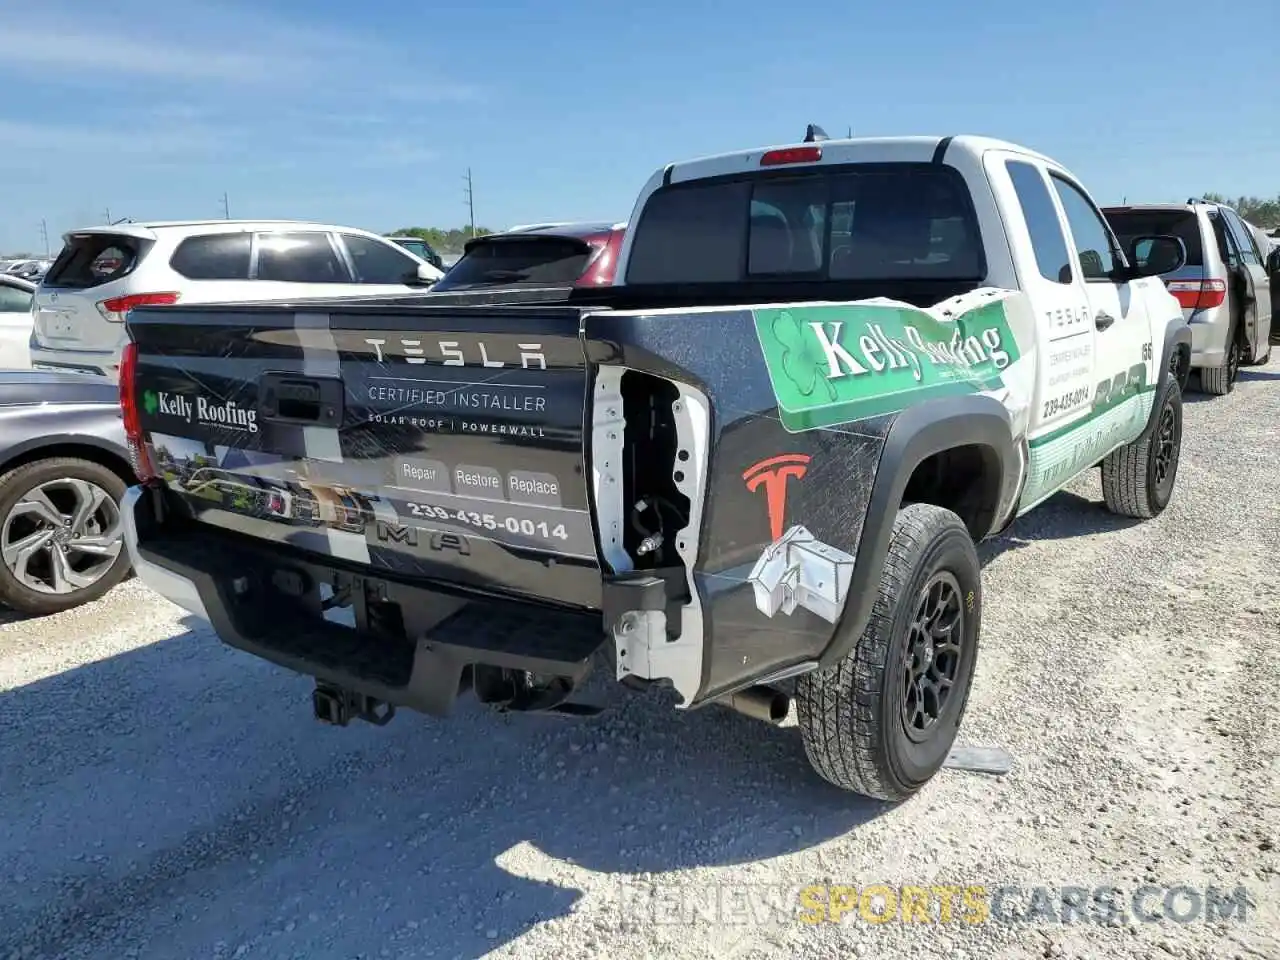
<point>103,362</point>
<point>1208,338</point>
<point>412,645</point>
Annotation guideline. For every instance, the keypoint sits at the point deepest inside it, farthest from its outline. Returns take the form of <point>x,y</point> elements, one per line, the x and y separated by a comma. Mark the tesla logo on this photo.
<point>448,353</point>
<point>773,474</point>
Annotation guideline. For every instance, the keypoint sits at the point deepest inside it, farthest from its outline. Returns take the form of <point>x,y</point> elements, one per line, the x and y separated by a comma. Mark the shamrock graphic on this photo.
<point>802,362</point>
<point>150,402</point>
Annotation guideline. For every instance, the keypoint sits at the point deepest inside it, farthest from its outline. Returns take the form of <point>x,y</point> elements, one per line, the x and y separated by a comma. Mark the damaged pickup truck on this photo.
<point>755,466</point>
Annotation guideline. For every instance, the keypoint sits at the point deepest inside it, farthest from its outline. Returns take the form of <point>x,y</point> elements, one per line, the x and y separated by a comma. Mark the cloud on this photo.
<point>213,48</point>
<point>85,54</point>
<point>28,138</point>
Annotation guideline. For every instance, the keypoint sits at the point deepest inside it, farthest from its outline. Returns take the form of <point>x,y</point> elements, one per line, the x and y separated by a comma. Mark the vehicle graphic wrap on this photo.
<point>831,364</point>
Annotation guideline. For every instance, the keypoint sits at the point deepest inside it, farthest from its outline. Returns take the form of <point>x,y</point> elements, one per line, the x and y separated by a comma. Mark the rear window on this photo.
<point>1183,224</point>
<point>92,259</point>
<point>537,261</point>
<point>872,222</point>
<point>219,256</point>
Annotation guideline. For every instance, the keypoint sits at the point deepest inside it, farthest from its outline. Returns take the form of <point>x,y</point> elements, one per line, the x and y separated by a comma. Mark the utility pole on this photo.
<point>44,232</point>
<point>471,203</point>
<point>108,213</point>
<point>226,206</point>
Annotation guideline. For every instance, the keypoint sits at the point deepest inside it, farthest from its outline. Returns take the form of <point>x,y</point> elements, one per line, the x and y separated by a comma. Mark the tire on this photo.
<point>29,495</point>
<point>853,717</point>
<point>1219,381</point>
<point>1138,479</point>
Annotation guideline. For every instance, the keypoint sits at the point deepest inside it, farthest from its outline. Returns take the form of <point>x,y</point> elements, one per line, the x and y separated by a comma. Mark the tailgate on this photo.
<point>435,443</point>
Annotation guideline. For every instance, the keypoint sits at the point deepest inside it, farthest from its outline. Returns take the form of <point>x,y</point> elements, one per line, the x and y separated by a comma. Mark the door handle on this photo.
<point>1103,320</point>
<point>310,401</point>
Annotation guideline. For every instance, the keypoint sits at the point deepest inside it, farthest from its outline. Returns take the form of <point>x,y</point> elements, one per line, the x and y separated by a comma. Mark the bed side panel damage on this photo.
<point>778,443</point>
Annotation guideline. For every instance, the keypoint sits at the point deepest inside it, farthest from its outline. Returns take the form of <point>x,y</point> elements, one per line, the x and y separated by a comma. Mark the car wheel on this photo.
<point>882,721</point>
<point>1138,479</point>
<point>61,536</point>
<point>1220,381</point>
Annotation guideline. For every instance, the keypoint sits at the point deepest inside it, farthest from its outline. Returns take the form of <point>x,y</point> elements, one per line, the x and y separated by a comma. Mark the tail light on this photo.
<point>117,308</point>
<point>1198,294</point>
<point>132,415</point>
<point>603,263</point>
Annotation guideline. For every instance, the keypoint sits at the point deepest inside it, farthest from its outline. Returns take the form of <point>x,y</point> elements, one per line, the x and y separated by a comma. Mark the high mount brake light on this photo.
<point>1198,294</point>
<point>775,158</point>
<point>132,414</point>
<point>117,308</point>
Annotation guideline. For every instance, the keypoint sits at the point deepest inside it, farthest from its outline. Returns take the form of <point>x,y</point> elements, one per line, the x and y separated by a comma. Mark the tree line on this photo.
<point>1257,210</point>
<point>442,239</point>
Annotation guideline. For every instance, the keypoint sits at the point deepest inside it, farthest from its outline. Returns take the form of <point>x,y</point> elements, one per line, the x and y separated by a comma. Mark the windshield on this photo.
<point>535,261</point>
<point>882,221</point>
<point>419,247</point>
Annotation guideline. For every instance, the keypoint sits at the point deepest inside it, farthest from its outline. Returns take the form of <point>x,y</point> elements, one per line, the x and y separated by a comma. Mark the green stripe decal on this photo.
<point>1064,453</point>
<point>1083,421</point>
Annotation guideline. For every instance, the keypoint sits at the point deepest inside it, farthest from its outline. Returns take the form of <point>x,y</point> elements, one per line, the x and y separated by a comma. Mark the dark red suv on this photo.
<point>551,255</point>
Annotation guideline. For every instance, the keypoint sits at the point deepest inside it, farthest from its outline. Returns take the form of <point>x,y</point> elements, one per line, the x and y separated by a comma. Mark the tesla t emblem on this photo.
<point>773,474</point>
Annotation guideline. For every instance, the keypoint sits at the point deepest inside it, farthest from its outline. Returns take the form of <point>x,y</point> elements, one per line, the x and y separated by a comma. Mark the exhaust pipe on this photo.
<point>760,702</point>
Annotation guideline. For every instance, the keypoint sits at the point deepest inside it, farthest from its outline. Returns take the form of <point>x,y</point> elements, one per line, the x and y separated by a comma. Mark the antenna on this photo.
<point>226,206</point>
<point>814,133</point>
<point>108,213</point>
<point>471,203</point>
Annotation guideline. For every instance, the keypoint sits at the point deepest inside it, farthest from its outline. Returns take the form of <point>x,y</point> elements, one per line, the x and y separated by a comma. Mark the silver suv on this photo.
<point>104,272</point>
<point>1223,286</point>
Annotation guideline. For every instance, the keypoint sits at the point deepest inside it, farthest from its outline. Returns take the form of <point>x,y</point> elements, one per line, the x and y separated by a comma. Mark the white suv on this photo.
<point>104,272</point>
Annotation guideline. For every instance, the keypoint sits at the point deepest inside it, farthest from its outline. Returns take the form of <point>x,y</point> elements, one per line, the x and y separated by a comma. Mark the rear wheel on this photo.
<point>1138,479</point>
<point>1220,381</point>
<point>882,721</point>
<point>61,537</point>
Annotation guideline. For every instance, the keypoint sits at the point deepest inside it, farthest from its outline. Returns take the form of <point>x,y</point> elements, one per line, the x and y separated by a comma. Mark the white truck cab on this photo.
<point>1097,314</point>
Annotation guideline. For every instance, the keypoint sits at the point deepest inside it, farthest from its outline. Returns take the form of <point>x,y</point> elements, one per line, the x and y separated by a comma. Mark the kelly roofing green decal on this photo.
<point>835,363</point>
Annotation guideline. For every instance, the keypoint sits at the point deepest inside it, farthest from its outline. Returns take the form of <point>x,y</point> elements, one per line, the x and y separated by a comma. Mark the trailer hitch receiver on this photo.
<point>338,706</point>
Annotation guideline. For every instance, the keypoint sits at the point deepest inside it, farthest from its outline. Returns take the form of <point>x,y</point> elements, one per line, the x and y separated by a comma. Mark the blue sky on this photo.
<point>369,113</point>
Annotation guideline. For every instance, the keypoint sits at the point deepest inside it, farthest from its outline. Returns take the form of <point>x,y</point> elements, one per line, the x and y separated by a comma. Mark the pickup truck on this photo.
<point>752,470</point>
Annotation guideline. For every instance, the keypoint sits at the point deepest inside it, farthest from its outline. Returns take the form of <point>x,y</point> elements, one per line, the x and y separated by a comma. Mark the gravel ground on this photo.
<point>166,797</point>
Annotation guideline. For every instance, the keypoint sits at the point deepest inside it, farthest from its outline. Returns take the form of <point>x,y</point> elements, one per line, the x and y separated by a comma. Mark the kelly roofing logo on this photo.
<point>836,363</point>
<point>772,474</point>
<point>225,413</point>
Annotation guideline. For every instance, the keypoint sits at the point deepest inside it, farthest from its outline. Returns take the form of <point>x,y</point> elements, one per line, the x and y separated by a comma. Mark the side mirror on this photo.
<point>1273,261</point>
<point>1152,256</point>
<point>423,276</point>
